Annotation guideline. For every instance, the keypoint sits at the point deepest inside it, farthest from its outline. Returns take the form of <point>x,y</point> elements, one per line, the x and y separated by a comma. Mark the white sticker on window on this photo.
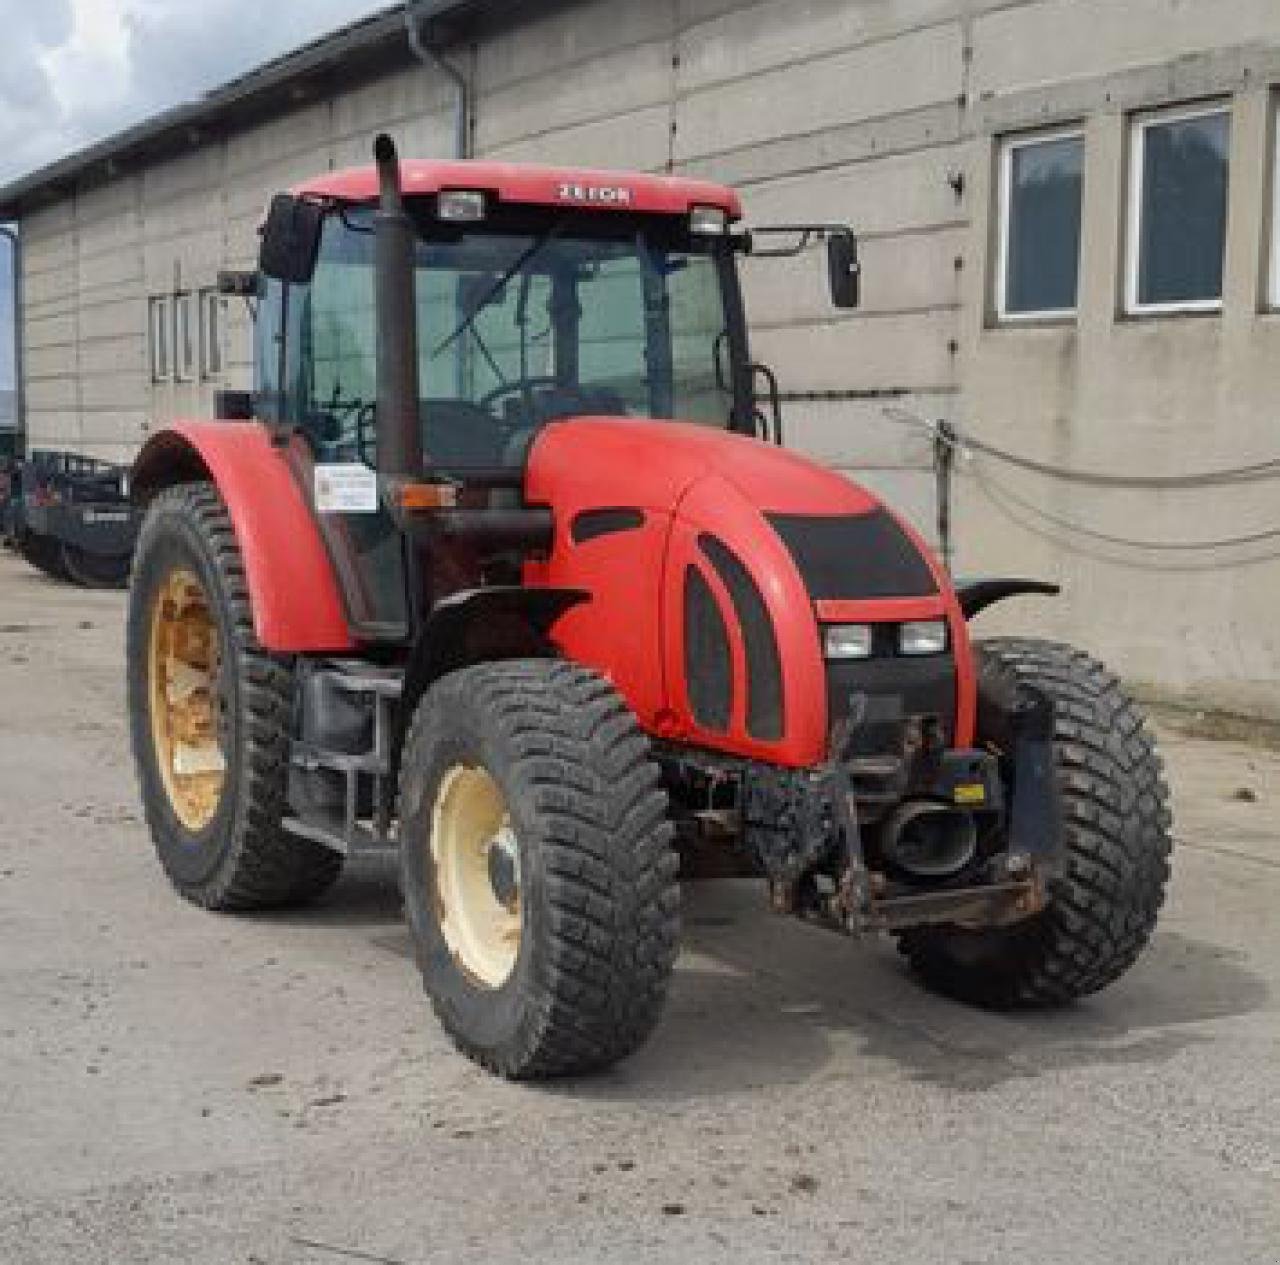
<point>346,489</point>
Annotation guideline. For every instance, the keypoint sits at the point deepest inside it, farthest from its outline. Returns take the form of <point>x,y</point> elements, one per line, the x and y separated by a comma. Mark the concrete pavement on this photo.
<point>176,1086</point>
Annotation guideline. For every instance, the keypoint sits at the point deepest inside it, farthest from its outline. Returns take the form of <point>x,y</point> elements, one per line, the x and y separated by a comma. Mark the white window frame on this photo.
<point>1273,271</point>
<point>160,338</point>
<point>1009,145</point>
<point>184,366</point>
<point>213,345</point>
<point>1139,125</point>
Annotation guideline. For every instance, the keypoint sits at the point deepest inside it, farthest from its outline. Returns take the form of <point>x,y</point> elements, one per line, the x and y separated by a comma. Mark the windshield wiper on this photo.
<point>523,261</point>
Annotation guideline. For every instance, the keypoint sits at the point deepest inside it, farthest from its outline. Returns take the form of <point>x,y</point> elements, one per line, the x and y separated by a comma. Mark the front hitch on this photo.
<point>806,828</point>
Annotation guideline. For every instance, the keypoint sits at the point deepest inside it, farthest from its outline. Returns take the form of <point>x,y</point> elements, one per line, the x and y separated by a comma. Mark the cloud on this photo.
<point>28,100</point>
<point>75,71</point>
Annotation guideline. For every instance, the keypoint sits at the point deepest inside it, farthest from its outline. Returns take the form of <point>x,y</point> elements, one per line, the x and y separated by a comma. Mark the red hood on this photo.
<point>652,465</point>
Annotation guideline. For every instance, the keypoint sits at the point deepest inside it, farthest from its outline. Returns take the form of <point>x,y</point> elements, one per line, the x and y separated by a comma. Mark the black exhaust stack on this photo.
<point>395,241</point>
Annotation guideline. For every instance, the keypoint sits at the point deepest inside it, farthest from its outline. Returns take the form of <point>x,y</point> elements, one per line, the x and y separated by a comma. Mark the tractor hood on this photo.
<point>712,562</point>
<point>652,465</point>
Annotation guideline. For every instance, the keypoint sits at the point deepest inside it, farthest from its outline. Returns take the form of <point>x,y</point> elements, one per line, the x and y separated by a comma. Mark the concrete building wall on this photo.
<point>883,113</point>
<point>1154,395</point>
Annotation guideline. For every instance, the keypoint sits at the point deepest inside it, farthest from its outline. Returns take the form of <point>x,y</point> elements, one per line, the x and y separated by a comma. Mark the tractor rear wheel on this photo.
<point>537,868</point>
<point>1115,825</point>
<point>210,716</point>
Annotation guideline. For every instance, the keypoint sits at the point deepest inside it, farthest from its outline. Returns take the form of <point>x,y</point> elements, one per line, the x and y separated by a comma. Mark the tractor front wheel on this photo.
<point>1114,825</point>
<point>210,715</point>
<point>538,873</point>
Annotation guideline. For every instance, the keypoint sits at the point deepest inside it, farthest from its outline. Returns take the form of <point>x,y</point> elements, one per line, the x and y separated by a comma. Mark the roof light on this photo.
<point>461,206</point>
<point>708,221</point>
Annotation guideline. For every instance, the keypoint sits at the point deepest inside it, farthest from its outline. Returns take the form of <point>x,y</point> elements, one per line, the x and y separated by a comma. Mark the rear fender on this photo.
<point>297,606</point>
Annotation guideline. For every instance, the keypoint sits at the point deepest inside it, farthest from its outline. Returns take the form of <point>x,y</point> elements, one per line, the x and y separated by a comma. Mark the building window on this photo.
<point>213,316</point>
<point>1041,195</point>
<point>1178,182</point>
<point>161,360</point>
<point>1273,287</point>
<point>184,337</point>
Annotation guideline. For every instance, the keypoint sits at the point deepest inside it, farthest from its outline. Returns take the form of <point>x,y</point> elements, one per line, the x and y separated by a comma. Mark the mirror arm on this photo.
<point>805,232</point>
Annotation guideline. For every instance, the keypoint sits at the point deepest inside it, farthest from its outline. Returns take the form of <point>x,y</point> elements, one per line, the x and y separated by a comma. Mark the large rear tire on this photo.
<point>210,715</point>
<point>1115,824</point>
<point>538,872</point>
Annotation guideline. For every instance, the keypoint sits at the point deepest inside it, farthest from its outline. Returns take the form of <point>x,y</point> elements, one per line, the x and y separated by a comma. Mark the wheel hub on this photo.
<point>504,869</point>
<point>477,866</point>
<point>187,713</point>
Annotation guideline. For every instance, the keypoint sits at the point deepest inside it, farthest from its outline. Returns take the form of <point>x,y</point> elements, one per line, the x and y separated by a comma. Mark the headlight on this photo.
<point>708,221</point>
<point>923,638</point>
<point>847,641</point>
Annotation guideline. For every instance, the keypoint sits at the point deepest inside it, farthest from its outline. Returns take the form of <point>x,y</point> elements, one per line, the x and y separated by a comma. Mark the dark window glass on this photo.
<point>1182,238</point>
<point>159,339</point>
<point>1045,186</point>
<point>212,310</point>
<point>615,324</point>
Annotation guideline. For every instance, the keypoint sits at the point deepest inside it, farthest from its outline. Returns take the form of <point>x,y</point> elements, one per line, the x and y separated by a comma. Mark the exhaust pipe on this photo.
<point>925,841</point>
<point>395,286</point>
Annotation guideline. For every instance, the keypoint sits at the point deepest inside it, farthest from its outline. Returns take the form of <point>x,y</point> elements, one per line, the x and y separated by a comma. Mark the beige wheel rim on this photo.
<point>184,660</point>
<point>477,865</point>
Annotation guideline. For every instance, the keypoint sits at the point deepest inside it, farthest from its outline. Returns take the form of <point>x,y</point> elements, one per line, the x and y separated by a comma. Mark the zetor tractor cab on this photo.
<point>504,566</point>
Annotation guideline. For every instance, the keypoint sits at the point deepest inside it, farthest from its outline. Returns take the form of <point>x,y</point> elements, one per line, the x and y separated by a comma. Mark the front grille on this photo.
<point>854,557</point>
<point>889,692</point>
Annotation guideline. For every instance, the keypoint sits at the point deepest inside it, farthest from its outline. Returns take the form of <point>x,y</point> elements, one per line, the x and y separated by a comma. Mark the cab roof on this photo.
<point>584,188</point>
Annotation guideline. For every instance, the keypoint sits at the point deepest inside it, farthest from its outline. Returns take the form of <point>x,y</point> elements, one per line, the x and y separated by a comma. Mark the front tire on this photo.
<point>538,873</point>
<point>210,716</point>
<point>1115,824</point>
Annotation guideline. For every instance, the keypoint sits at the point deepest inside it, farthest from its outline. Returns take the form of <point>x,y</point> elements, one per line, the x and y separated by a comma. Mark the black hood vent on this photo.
<point>846,558</point>
<point>764,662</point>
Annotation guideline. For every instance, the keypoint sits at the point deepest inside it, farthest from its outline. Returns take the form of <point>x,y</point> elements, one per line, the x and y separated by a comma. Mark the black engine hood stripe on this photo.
<point>855,557</point>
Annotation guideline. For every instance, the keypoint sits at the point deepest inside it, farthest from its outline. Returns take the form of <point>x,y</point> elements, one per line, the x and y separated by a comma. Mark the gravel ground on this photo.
<point>176,1086</point>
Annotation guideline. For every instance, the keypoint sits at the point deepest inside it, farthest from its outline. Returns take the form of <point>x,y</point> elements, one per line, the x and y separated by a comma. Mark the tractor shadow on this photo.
<point>760,1002</point>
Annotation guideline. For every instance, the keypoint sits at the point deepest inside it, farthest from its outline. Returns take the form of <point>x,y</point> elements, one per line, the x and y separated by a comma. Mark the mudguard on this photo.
<point>297,606</point>
<point>481,625</point>
<point>976,595</point>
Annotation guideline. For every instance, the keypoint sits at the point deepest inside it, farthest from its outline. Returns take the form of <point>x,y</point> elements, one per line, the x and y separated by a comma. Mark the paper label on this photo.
<point>346,489</point>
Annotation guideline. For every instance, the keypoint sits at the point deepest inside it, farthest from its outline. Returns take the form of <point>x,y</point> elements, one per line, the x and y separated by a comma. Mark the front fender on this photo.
<point>975,596</point>
<point>483,625</point>
<point>297,606</point>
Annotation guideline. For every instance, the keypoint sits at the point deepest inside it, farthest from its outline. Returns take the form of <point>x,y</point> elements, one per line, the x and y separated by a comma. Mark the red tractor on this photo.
<point>504,565</point>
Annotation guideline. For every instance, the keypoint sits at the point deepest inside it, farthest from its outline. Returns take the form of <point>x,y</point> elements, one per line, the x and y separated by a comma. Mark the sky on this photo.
<point>75,71</point>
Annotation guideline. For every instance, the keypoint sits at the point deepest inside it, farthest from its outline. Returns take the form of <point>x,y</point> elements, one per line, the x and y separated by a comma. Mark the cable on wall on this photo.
<point>951,443</point>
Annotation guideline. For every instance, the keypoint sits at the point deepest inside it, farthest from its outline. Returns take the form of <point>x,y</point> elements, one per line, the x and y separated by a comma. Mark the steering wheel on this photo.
<point>524,388</point>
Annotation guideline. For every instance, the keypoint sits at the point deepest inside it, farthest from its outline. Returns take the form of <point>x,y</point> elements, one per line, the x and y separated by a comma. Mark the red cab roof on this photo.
<point>540,186</point>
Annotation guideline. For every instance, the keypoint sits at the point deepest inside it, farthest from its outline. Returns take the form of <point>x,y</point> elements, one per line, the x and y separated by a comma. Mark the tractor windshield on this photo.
<point>517,327</point>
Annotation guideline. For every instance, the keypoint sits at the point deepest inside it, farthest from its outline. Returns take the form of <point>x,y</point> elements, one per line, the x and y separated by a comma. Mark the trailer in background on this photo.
<point>70,517</point>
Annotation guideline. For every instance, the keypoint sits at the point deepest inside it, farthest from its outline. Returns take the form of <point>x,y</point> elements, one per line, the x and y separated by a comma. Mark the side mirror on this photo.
<point>846,271</point>
<point>291,239</point>
<point>238,285</point>
<point>234,406</point>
